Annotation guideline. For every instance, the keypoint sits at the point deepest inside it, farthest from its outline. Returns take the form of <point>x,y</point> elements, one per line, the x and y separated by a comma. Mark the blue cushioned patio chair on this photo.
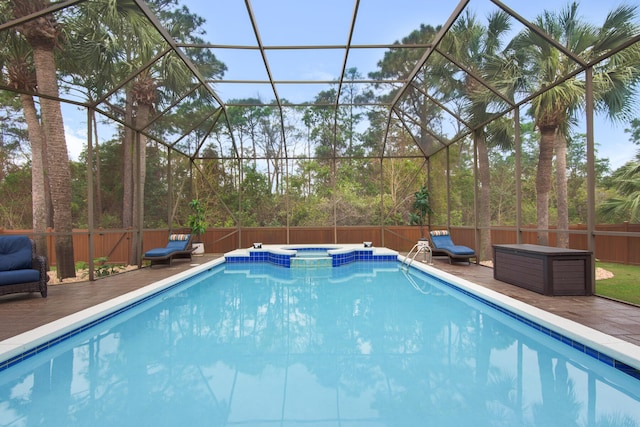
<point>179,246</point>
<point>21,269</point>
<point>441,244</point>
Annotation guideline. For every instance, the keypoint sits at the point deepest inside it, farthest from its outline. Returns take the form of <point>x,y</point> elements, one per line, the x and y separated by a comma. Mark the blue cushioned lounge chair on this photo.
<point>441,244</point>
<point>179,246</point>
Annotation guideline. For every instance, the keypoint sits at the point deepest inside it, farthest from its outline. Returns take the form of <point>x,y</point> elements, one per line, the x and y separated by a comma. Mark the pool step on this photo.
<point>311,262</point>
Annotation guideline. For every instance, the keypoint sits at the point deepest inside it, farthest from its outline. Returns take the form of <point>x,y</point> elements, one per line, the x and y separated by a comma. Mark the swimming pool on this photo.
<point>367,344</point>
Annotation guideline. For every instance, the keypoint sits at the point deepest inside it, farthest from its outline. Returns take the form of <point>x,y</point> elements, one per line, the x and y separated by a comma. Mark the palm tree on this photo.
<point>94,59</point>
<point>42,34</point>
<point>116,40</point>
<point>626,206</point>
<point>109,35</point>
<point>478,48</point>
<point>169,77</point>
<point>144,96</point>
<point>553,111</point>
<point>21,76</point>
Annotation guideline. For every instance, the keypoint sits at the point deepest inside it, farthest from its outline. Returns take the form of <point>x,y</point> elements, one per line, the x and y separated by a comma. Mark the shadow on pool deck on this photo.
<point>22,312</point>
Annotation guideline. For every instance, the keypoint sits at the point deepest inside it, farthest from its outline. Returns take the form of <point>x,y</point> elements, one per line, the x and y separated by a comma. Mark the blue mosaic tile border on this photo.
<point>361,256</point>
<point>261,256</point>
<point>602,357</point>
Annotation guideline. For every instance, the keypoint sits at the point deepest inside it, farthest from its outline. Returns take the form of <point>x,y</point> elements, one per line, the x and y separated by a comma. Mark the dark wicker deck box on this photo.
<point>544,269</point>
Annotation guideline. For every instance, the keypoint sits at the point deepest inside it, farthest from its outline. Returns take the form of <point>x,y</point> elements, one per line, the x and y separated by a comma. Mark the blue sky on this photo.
<point>311,22</point>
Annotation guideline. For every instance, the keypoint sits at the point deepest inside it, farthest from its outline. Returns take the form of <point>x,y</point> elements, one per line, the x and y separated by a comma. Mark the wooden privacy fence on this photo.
<point>115,245</point>
<point>612,242</point>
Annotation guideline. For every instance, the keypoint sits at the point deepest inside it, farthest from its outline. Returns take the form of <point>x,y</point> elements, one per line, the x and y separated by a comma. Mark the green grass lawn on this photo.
<point>624,286</point>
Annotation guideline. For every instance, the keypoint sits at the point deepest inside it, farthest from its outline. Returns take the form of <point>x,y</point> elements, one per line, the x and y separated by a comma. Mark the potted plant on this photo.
<point>198,225</point>
<point>422,208</point>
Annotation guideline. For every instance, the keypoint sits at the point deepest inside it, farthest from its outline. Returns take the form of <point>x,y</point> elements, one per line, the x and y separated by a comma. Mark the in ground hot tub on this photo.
<point>284,254</point>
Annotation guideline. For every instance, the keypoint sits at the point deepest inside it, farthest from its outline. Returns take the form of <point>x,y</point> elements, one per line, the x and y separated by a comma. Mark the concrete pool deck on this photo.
<point>20,313</point>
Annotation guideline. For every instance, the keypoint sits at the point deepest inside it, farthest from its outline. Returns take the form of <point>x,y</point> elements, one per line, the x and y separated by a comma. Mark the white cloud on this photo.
<point>76,141</point>
<point>75,129</point>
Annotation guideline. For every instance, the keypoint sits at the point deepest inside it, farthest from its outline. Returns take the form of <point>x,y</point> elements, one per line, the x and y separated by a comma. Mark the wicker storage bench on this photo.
<point>544,269</point>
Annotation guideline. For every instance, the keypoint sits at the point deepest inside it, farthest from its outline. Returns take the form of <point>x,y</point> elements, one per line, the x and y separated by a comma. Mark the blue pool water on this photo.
<point>365,344</point>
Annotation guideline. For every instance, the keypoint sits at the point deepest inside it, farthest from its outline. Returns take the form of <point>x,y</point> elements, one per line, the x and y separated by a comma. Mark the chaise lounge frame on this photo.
<point>442,245</point>
<point>167,254</point>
